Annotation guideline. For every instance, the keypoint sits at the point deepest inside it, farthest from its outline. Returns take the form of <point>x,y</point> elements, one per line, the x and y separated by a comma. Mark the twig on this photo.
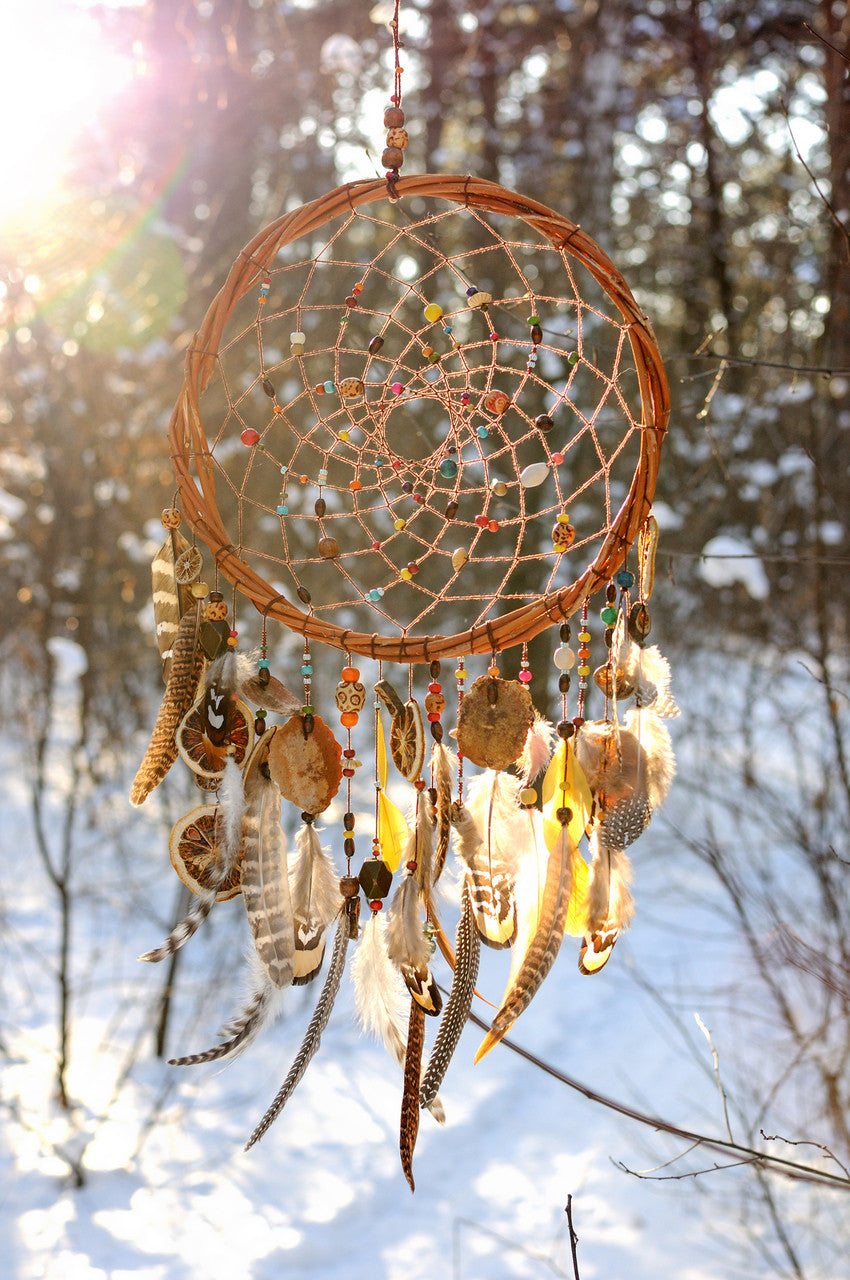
<point>759,1159</point>
<point>805,1142</point>
<point>568,1210</point>
<point>825,201</point>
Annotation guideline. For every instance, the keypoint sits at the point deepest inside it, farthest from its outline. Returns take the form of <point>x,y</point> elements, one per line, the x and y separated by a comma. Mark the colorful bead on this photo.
<point>250,436</point>
<point>564,658</point>
<point>328,387</point>
<point>478,298</point>
<point>399,524</point>
<point>397,388</point>
<point>448,468</point>
<point>433,311</point>
<point>350,388</point>
<point>496,402</point>
<point>170,517</point>
<point>625,579</point>
<point>608,615</point>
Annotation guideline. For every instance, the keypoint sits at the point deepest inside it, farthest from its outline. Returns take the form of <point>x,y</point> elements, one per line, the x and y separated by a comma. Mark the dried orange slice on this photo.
<point>204,756</point>
<point>195,851</point>
<point>407,741</point>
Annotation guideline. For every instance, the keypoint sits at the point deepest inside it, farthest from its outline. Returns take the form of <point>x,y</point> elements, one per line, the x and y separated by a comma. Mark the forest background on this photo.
<point>706,146</point>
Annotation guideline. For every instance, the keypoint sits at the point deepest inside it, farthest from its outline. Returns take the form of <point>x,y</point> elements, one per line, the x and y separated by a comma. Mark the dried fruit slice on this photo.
<point>407,741</point>
<point>204,756</point>
<point>195,851</point>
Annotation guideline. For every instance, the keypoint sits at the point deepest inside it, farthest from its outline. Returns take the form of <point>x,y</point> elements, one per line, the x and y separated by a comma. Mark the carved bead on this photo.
<point>350,696</point>
<point>170,517</point>
<point>397,138</point>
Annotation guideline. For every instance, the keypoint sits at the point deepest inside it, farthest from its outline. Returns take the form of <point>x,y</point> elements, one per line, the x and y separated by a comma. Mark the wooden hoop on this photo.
<point>190,449</point>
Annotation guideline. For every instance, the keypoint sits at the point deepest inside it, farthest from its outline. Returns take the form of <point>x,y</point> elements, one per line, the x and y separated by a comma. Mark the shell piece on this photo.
<point>306,765</point>
<point>493,723</point>
<point>532,476</point>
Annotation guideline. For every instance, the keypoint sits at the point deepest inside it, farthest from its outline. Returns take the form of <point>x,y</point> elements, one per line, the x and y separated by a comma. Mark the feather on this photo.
<point>648,672</point>
<point>409,1127</point>
<point>187,663</point>
<point>381,998</point>
<point>265,880</point>
<point>544,942</point>
<point>232,804</point>
<point>442,762</point>
<point>314,890</point>
<point>409,946</point>
<point>262,1006</point>
<point>491,859</point>
<point>170,600</point>
<point>313,1034</point>
<point>537,751</point>
<point>456,1011</point>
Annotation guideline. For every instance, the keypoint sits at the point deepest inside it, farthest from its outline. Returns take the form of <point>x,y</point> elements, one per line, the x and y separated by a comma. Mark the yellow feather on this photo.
<point>392,832</point>
<point>565,786</point>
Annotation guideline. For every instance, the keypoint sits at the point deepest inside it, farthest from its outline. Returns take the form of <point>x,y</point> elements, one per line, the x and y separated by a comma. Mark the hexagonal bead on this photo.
<point>375,878</point>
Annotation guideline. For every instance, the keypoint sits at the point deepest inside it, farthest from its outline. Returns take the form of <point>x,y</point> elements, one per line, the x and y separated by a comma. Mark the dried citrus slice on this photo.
<point>407,741</point>
<point>204,756</point>
<point>195,850</point>
<point>305,760</point>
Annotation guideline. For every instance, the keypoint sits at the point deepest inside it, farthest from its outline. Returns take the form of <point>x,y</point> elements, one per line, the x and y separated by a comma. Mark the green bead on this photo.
<point>608,615</point>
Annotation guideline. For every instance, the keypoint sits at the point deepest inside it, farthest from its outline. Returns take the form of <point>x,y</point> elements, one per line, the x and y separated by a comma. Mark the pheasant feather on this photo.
<point>169,599</point>
<point>409,1127</point>
<point>314,890</point>
<point>262,1007</point>
<point>187,663</point>
<point>456,1011</point>
<point>313,1035</point>
<point>265,881</point>
<point>491,875</point>
<point>409,947</point>
<point>543,945</point>
<point>441,768</point>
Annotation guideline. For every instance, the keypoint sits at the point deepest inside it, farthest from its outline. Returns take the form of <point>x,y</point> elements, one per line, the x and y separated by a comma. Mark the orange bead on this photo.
<point>350,674</point>
<point>349,719</point>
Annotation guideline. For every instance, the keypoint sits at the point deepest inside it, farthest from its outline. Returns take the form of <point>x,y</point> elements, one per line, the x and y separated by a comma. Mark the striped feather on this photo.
<point>409,946</point>
<point>409,1127</point>
<point>441,769</point>
<point>313,1035</point>
<point>456,1011</point>
<point>265,881</point>
<point>543,944</point>
<point>170,601</point>
<point>187,663</point>
<point>262,1007</point>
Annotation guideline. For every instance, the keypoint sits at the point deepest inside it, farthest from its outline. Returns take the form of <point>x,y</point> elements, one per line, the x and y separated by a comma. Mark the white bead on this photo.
<point>564,658</point>
<point>298,338</point>
<point>531,477</point>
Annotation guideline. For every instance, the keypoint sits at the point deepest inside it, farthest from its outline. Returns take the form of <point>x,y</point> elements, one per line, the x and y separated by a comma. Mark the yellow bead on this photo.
<point>399,524</point>
<point>433,311</point>
<point>460,674</point>
<point>528,796</point>
<point>563,518</point>
<point>343,435</point>
<point>584,671</point>
<point>406,574</point>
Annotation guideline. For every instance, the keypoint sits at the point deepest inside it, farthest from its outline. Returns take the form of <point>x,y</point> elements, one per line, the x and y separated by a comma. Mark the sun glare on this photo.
<point>58,77</point>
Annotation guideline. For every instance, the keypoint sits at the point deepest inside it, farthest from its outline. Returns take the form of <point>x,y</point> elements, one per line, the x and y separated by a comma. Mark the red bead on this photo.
<point>433,719</point>
<point>481,521</point>
<point>525,676</point>
<point>492,525</point>
<point>375,546</point>
<point>411,866</point>
<point>412,566</point>
<point>435,688</point>
<point>376,905</point>
<point>349,753</point>
<point>250,436</point>
<point>419,784</point>
<point>348,773</point>
<point>351,302</point>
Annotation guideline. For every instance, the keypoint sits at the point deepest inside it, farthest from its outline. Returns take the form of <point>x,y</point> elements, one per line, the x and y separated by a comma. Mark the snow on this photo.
<point>727,560</point>
<point>169,1193</point>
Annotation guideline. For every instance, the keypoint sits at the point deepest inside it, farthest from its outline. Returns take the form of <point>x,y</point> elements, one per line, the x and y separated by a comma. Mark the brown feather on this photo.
<point>409,1127</point>
<point>170,601</point>
<point>441,767</point>
<point>187,664</point>
<point>456,1011</point>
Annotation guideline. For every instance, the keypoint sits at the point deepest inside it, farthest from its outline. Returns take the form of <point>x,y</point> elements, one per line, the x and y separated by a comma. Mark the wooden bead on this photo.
<point>392,158</point>
<point>328,548</point>
<point>397,138</point>
<point>393,118</point>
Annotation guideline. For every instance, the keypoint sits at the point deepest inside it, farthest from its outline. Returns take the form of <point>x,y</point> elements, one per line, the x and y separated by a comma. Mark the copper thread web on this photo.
<point>592,377</point>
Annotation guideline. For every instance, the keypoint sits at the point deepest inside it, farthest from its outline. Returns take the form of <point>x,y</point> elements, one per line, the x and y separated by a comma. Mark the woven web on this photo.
<point>403,508</point>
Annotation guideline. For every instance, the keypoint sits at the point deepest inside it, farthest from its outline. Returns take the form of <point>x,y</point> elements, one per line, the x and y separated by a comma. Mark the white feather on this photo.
<point>232,793</point>
<point>314,889</point>
<point>537,751</point>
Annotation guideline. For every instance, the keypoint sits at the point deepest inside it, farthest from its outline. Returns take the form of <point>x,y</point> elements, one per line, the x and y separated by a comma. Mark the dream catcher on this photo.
<point>420,425</point>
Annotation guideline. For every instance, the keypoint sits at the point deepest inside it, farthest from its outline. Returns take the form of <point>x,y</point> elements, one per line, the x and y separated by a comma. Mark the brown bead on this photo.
<point>640,623</point>
<point>397,138</point>
<point>303,595</point>
<point>349,886</point>
<point>170,517</point>
<point>216,610</point>
<point>563,536</point>
<point>328,548</point>
<point>320,507</point>
<point>392,157</point>
<point>350,388</point>
<point>436,730</point>
<point>393,118</point>
<point>435,704</point>
<point>375,878</point>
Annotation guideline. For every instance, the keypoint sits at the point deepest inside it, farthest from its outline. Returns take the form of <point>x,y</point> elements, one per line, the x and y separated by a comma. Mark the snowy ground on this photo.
<point>169,1192</point>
